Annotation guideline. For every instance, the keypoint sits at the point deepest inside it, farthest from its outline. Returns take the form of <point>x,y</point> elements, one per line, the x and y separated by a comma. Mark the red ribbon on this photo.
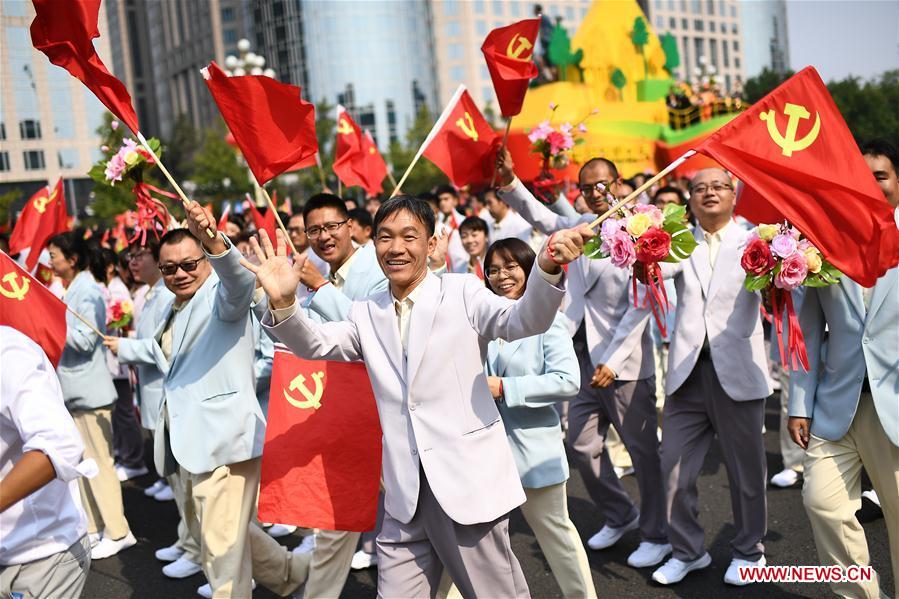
<point>656,295</point>
<point>149,211</point>
<point>796,353</point>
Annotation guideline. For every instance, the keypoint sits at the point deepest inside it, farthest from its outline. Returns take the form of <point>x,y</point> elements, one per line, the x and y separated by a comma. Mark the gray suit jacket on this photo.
<point>858,341</point>
<point>83,374</point>
<point>715,304</point>
<point>599,295</point>
<point>435,408</point>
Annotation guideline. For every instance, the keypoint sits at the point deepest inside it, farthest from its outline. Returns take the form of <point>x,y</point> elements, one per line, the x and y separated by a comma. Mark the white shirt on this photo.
<point>33,417</point>
<point>512,225</point>
<point>714,241</point>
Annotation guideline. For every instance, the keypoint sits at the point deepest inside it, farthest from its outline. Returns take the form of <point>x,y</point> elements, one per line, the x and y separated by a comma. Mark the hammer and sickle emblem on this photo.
<point>788,142</point>
<point>513,51</point>
<point>16,290</point>
<point>313,400</point>
<point>467,126</point>
<point>41,203</point>
<point>344,127</point>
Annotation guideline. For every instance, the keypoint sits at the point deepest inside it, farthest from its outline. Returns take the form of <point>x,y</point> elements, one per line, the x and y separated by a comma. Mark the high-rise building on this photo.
<point>708,33</point>
<point>375,58</point>
<point>765,36</point>
<point>278,36</point>
<point>48,119</point>
<point>459,29</point>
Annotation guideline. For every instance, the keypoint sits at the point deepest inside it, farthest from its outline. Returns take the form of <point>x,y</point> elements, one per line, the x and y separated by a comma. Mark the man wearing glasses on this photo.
<point>614,348</point>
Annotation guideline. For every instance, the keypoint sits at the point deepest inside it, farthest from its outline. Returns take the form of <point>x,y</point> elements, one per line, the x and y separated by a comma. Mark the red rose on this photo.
<point>757,258</point>
<point>653,245</point>
<point>143,152</point>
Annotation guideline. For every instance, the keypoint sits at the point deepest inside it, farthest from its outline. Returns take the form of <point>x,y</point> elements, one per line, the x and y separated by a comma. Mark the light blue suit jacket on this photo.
<point>858,340</point>
<point>83,374</point>
<point>536,372</point>
<point>364,278</point>
<point>139,352</point>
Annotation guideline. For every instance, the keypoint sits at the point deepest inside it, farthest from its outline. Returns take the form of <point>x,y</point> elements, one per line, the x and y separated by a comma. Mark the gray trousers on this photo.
<point>629,406</point>
<point>694,414</point>
<point>59,576</point>
<point>127,437</point>
<point>478,557</point>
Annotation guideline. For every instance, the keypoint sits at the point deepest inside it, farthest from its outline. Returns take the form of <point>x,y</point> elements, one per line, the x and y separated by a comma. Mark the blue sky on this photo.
<point>844,37</point>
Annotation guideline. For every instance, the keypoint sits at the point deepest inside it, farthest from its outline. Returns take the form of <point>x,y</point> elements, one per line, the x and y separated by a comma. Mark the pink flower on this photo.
<point>553,105</point>
<point>115,168</point>
<point>621,250</point>
<point>539,132</point>
<point>582,128</point>
<point>557,142</point>
<point>793,271</point>
<point>104,148</point>
<point>610,226</point>
<point>783,245</point>
<point>566,128</point>
<point>654,213</point>
<point>114,125</point>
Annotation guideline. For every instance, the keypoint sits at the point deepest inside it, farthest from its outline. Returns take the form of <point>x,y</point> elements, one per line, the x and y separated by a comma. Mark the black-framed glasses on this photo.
<point>137,255</point>
<point>296,229</point>
<point>598,187</point>
<point>716,187</point>
<point>510,269</point>
<point>331,228</point>
<point>187,266</point>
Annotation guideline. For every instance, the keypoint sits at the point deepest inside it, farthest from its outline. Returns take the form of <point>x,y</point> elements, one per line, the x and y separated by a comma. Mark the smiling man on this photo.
<point>449,475</point>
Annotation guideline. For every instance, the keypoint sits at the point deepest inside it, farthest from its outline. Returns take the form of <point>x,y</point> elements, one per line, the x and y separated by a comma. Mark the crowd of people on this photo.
<point>492,345</point>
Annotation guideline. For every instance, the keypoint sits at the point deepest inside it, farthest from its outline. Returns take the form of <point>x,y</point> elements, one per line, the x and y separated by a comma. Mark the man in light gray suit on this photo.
<point>844,411</point>
<point>449,475</point>
<point>614,348</point>
<point>717,384</point>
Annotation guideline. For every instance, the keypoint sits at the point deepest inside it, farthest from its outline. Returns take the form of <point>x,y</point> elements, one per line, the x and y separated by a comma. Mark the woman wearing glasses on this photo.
<point>89,394</point>
<point>526,377</point>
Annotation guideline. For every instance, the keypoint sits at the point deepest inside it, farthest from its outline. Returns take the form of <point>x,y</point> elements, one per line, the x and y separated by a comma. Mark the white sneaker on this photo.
<point>181,568</point>
<point>94,538</point>
<point>648,554</point>
<point>276,531</point>
<point>622,472</point>
<point>608,536</point>
<point>165,495</point>
<point>125,473</point>
<point>107,547</point>
<point>674,570</point>
<point>306,546</point>
<point>732,576</point>
<point>169,554</point>
<point>363,560</point>
<point>155,487</point>
<point>206,590</point>
<point>872,497</point>
<point>785,478</point>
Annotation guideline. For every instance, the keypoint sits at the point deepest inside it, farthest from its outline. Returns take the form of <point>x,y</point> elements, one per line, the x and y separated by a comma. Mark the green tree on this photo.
<point>425,176</point>
<point>761,85</point>
<point>218,174</point>
<point>6,204</point>
<point>110,200</point>
<point>672,54</point>
<point>640,37</point>
<point>619,81</point>
<point>181,148</point>
<point>560,54</point>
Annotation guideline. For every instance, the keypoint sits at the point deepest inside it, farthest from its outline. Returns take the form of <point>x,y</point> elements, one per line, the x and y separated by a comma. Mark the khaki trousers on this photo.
<point>331,561</point>
<point>219,510</point>
<point>792,454</point>
<point>186,542</point>
<point>101,495</point>
<point>832,495</point>
<point>546,512</point>
<point>59,576</point>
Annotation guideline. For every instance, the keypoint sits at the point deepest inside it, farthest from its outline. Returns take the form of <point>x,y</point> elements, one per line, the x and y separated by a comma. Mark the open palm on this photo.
<point>278,277</point>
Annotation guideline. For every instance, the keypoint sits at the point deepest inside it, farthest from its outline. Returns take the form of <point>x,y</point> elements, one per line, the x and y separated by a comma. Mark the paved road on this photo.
<point>135,574</point>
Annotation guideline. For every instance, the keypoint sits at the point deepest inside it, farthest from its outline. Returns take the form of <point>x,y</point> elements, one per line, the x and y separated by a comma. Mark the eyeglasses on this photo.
<point>716,187</point>
<point>138,255</point>
<point>598,187</point>
<point>187,266</point>
<point>296,230</point>
<point>509,269</point>
<point>331,228</point>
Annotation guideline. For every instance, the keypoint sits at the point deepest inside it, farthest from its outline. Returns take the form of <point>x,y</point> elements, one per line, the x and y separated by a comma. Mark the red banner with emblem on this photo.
<point>43,216</point>
<point>321,464</point>
<point>509,54</point>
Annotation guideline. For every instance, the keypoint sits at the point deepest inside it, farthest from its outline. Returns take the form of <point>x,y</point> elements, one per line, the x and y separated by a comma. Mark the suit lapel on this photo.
<point>726,260</point>
<point>700,261</point>
<point>853,293</point>
<point>881,290</point>
<point>504,358</point>
<point>384,321</point>
<point>424,310</point>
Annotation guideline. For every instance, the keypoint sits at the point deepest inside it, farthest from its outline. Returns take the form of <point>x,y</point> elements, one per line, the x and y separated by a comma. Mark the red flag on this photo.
<point>272,125</point>
<point>223,219</point>
<point>64,32</point>
<point>31,309</point>
<point>462,143</point>
<point>264,222</point>
<point>356,158</point>
<point>373,168</point>
<point>43,217</point>
<point>508,52</point>
<point>799,162</point>
<point>321,463</point>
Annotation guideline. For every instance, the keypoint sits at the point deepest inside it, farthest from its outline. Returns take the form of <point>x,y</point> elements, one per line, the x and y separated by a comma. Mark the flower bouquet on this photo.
<point>646,235</point>
<point>777,260</point>
<point>554,145</point>
<point>119,314</point>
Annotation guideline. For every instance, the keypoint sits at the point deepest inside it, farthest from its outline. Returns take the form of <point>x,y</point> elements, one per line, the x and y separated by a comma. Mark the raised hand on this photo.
<point>199,222</point>
<point>310,276</point>
<point>563,246</point>
<point>437,258</point>
<point>274,272</point>
<point>505,172</point>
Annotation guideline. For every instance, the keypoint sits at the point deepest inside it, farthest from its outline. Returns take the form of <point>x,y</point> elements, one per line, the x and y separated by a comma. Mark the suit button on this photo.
<point>414,452</point>
<point>412,406</point>
<point>866,340</point>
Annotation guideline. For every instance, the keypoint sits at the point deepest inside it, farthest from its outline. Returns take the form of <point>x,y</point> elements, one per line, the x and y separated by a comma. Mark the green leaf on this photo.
<point>592,248</point>
<point>682,244</point>
<point>674,213</point>
<point>756,283</point>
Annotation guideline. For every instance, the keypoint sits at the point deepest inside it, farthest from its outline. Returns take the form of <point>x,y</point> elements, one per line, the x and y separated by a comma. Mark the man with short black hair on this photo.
<point>361,223</point>
<point>505,222</point>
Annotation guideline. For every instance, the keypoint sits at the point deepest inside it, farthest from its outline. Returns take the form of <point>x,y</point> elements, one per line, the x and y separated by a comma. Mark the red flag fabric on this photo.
<point>30,308</point>
<point>373,167</point>
<point>462,143</point>
<point>508,52</point>
<point>356,158</point>
<point>799,162</point>
<point>273,126</point>
<point>65,31</point>
<point>43,217</point>
<point>263,222</point>
<point>321,463</point>
<point>223,219</point>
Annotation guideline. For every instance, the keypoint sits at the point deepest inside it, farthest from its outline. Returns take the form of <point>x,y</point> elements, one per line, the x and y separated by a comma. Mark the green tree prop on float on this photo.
<point>640,37</point>
<point>672,55</point>
<point>560,54</point>
<point>619,81</point>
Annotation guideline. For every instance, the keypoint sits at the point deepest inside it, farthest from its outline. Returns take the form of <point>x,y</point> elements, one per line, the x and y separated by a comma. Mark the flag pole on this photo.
<point>86,321</point>
<point>184,200</point>
<point>437,125</point>
<point>390,177</point>
<point>501,148</point>
<point>274,209</point>
<point>634,194</point>
<point>321,171</point>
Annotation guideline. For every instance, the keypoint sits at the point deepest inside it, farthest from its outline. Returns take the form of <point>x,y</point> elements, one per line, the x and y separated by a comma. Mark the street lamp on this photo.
<point>247,62</point>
